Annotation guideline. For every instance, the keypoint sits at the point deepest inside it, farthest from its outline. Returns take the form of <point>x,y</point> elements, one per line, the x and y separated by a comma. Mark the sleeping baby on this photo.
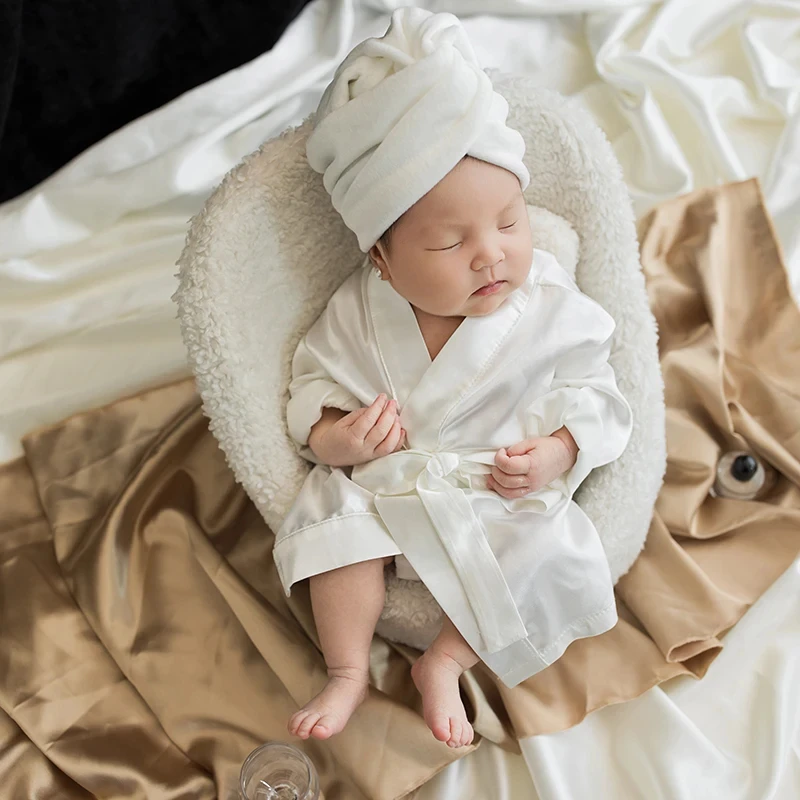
<point>453,395</point>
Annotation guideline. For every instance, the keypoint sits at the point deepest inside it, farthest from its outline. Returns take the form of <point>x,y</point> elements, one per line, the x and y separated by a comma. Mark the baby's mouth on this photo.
<point>489,288</point>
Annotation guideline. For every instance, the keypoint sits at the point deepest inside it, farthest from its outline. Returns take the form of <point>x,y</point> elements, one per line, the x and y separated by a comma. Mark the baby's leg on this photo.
<point>436,675</point>
<point>347,603</point>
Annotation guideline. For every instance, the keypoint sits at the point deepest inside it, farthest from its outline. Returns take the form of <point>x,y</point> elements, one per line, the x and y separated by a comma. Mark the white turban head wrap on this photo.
<point>401,112</point>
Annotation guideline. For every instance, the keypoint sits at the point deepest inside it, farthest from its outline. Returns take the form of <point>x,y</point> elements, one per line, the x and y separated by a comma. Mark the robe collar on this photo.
<point>426,390</point>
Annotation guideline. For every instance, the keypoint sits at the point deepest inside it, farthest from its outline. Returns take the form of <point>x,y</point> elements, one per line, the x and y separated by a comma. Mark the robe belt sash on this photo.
<point>438,481</point>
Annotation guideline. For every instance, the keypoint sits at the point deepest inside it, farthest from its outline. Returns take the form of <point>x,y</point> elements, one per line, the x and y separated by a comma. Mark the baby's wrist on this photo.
<point>329,454</point>
<point>318,439</point>
<point>569,444</point>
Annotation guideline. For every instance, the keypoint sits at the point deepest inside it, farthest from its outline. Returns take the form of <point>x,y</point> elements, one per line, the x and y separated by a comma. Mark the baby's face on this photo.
<point>464,247</point>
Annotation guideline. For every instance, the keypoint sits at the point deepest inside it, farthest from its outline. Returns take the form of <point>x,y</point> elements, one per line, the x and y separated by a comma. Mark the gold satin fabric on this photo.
<point>147,646</point>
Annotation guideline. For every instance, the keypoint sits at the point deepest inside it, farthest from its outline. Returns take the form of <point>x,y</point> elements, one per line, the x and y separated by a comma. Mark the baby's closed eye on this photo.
<point>456,244</point>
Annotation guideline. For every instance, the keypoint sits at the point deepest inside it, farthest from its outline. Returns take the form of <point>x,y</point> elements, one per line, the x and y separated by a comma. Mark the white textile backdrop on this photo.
<point>690,94</point>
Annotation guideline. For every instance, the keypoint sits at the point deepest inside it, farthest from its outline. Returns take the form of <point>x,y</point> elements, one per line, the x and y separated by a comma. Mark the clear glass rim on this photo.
<point>293,751</point>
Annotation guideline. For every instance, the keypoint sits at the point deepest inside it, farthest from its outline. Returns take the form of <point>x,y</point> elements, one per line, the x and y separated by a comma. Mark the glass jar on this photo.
<point>278,771</point>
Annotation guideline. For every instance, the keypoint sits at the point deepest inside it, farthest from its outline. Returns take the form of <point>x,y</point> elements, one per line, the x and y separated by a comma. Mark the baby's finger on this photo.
<point>512,465</point>
<point>382,427</point>
<point>510,481</point>
<point>392,440</point>
<point>508,494</point>
<point>515,494</point>
<point>366,422</point>
<point>522,447</point>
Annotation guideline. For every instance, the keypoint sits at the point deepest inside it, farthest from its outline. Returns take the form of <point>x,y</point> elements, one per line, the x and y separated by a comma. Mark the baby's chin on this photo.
<point>472,307</point>
<point>483,306</point>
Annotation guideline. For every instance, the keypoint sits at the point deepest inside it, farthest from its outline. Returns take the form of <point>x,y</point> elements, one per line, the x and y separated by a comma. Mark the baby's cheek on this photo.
<point>427,279</point>
<point>522,261</point>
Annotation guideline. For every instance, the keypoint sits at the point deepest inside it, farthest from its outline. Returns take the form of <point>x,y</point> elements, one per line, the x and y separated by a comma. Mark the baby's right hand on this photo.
<point>361,435</point>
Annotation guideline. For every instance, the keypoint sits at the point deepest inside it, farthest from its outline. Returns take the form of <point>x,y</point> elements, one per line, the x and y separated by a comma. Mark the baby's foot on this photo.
<point>329,711</point>
<point>436,676</point>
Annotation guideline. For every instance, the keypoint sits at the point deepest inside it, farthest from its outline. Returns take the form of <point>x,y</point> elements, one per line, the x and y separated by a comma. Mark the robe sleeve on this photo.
<point>584,397</point>
<point>311,390</point>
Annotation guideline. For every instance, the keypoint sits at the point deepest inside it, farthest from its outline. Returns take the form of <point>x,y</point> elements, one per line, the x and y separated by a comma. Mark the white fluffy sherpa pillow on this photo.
<point>268,250</point>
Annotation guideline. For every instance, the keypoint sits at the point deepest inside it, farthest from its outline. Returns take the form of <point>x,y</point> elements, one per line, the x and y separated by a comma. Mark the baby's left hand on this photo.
<point>532,464</point>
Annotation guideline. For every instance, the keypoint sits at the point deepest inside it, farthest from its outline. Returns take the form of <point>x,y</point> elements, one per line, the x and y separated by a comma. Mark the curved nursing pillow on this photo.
<point>268,250</point>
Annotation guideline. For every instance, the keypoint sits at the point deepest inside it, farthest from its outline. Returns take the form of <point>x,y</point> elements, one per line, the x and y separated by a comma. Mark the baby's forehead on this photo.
<point>438,216</point>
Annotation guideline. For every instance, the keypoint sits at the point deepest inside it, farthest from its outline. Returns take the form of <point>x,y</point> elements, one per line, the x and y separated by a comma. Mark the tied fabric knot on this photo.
<point>438,479</point>
<point>444,466</point>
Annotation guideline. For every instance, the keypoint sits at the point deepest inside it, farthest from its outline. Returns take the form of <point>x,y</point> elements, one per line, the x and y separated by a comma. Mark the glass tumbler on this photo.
<point>278,771</point>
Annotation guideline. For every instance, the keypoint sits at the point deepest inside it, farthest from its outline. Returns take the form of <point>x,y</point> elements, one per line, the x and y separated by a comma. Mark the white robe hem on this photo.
<point>594,624</point>
<point>308,551</point>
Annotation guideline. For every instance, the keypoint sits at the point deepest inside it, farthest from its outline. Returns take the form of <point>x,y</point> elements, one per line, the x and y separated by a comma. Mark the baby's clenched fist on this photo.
<point>360,436</point>
<point>532,464</point>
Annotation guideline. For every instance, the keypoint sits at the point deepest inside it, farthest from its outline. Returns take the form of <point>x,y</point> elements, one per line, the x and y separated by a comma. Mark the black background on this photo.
<point>74,71</point>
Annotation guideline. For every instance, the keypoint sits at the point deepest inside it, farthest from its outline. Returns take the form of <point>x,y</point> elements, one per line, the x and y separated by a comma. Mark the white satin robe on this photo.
<point>521,579</point>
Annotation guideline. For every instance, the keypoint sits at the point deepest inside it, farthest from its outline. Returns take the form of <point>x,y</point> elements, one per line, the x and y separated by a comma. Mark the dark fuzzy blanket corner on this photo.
<point>72,72</point>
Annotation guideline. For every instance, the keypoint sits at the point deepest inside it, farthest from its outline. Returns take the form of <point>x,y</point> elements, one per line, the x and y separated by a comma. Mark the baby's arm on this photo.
<point>340,439</point>
<point>582,423</point>
<point>330,376</point>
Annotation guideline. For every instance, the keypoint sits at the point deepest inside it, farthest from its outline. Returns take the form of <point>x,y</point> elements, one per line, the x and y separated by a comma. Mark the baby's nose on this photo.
<point>487,260</point>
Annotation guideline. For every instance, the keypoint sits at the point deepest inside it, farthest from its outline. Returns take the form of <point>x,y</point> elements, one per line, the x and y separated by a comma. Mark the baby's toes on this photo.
<point>455,733</point>
<point>440,727</point>
<point>307,724</point>
<point>324,728</point>
<point>467,734</point>
<point>295,720</point>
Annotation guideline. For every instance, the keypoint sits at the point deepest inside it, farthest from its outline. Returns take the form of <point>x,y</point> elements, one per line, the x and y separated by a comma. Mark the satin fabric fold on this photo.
<point>59,684</point>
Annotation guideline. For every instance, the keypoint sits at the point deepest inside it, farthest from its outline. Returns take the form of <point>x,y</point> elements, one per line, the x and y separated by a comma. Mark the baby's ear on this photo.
<point>555,235</point>
<point>376,260</point>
